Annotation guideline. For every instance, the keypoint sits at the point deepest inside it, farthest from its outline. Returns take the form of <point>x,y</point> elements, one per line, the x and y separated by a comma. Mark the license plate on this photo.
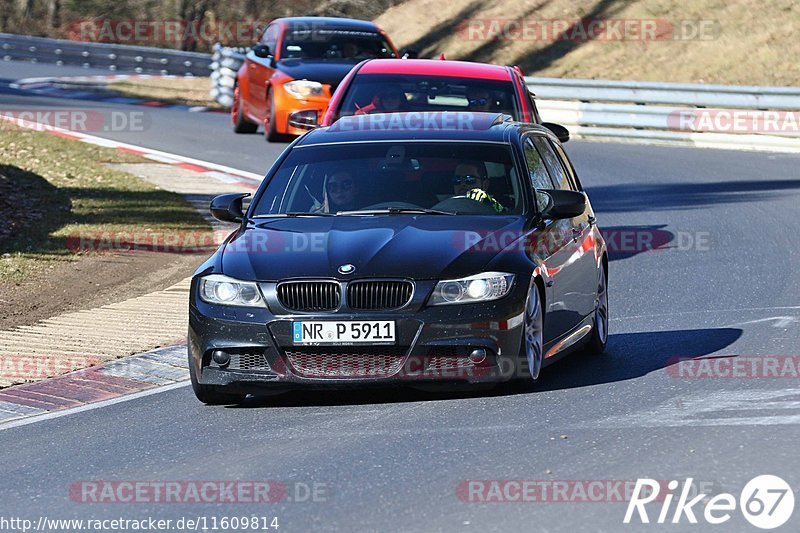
<point>375,332</point>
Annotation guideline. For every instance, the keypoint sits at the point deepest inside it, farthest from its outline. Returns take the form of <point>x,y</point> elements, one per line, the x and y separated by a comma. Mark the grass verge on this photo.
<point>53,189</point>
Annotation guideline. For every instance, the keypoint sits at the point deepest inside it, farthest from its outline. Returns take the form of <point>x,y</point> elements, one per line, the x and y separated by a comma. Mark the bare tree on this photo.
<point>55,13</point>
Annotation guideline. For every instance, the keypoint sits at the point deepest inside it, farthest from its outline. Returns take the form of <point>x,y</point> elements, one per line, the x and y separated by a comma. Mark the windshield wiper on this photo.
<point>294,214</point>
<point>396,211</point>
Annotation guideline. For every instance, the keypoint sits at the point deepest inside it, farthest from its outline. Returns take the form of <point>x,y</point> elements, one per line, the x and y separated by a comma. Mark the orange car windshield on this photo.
<point>334,44</point>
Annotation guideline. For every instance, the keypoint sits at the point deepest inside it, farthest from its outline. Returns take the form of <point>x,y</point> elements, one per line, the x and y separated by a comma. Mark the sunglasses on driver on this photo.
<point>468,179</point>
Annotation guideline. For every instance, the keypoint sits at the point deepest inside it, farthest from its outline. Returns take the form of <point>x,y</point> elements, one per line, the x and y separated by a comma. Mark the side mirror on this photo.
<point>560,131</point>
<point>409,53</point>
<point>563,204</point>
<point>262,51</point>
<point>228,207</point>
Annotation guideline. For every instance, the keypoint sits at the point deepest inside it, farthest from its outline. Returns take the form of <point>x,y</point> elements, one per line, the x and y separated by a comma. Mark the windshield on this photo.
<point>382,93</point>
<point>351,179</point>
<point>334,44</point>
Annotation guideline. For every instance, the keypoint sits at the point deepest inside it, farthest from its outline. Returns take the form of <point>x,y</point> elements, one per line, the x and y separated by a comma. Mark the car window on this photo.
<point>329,179</point>
<point>537,172</point>
<point>576,186</point>
<point>540,179</point>
<point>554,166</point>
<point>270,37</point>
<point>381,93</point>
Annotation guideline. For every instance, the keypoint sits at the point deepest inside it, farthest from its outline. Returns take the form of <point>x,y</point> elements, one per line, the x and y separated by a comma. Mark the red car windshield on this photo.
<point>386,93</point>
<point>334,44</point>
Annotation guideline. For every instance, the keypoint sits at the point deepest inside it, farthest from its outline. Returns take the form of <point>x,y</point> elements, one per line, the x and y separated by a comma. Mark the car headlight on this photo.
<point>222,290</point>
<point>303,88</point>
<point>478,288</point>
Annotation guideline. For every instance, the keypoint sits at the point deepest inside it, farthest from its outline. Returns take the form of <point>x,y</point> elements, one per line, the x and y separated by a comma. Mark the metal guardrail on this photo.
<point>114,57</point>
<point>649,111</point>
<point>685,94</point>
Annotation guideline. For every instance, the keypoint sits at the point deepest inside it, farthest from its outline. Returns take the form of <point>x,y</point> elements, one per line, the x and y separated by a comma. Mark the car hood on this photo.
<point>326,71</point>
<point>418,247</point>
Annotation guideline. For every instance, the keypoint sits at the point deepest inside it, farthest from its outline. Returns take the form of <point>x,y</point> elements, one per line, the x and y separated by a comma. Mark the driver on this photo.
<point>478,99</point>
<point>350,50</point>
<point>471,180</point>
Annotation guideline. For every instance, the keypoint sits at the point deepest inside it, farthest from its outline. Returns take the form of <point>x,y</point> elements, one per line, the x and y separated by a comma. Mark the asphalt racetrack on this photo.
<point>723,281</point>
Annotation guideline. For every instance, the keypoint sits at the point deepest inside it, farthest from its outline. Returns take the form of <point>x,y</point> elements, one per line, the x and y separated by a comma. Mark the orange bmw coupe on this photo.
<point>288,77</point>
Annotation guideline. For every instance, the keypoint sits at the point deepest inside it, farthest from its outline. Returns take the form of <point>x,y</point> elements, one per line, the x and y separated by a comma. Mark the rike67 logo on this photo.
<point>766,502</point>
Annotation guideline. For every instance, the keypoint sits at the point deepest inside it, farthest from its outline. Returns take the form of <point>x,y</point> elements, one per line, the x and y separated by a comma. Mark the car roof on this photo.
<point>309,23</point>
<point>436,67</point>
<point>434,126</point>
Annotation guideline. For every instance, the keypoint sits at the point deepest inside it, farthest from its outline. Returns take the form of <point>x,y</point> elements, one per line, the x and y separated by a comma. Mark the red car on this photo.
<point>288,77</point>
<point>428,85</point>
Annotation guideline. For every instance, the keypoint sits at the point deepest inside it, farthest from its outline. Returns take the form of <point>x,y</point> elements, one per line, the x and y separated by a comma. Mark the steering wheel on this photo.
<point>465,206</point>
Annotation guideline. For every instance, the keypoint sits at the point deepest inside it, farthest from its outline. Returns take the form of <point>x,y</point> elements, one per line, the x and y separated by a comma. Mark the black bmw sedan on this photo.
<point>455,247</point>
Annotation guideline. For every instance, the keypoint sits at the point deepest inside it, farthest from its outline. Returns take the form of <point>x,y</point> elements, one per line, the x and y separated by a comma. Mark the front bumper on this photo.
<point>433,344</point>
<point>292,114</point>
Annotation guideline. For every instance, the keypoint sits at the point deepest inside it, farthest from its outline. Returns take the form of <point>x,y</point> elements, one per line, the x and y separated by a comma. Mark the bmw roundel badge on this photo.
<point>347,269</point>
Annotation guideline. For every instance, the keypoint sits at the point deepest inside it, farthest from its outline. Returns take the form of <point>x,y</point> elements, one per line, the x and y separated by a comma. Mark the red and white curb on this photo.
<point>215,171</point>
<point>122,379</point>
<point>162,368</point>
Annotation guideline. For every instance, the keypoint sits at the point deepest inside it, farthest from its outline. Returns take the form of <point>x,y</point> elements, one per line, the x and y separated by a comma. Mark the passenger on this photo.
<point>339,193</point>
<point>388,100</point>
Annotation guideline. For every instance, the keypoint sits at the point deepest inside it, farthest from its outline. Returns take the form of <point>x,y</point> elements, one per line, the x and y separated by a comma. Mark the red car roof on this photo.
<point>436,67</point>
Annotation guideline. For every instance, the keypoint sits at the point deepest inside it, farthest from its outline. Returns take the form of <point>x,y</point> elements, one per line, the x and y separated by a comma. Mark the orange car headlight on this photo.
<point>303,88</point>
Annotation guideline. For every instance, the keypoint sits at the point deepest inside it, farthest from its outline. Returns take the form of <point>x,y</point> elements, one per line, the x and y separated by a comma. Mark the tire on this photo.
<point>270,129</point>
<point>531,351</point>
<point>599,338</point>
<point>240,123</point>
<point>211,395</point>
